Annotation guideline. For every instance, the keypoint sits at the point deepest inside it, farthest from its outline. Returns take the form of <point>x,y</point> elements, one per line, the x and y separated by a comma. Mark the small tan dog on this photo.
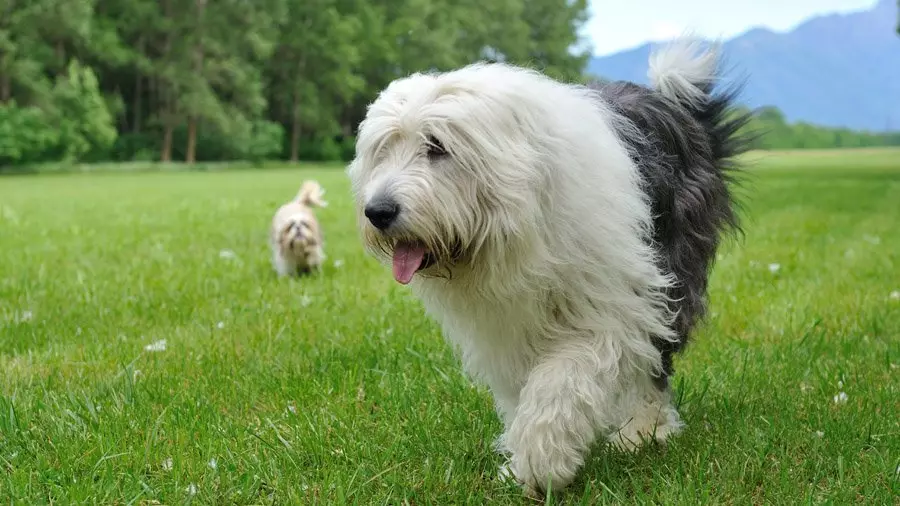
<point>296,238</point>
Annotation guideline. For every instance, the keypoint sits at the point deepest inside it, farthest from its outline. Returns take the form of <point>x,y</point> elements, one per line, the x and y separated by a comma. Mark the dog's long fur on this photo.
<point>570,232</point>
<point>295,236</point>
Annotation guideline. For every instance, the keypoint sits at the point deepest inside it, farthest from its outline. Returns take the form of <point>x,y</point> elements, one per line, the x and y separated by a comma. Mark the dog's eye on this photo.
<point>435,148</point>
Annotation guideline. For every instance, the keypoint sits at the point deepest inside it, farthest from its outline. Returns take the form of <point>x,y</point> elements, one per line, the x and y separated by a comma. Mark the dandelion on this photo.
<point>167,464</point>
<point>840,398</point>
<point>156,346</point>
<point>773,268</point>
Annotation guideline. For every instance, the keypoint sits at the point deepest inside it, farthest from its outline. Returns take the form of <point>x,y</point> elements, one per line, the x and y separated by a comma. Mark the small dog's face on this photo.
<point>440,175</point>
<point>299,237</point>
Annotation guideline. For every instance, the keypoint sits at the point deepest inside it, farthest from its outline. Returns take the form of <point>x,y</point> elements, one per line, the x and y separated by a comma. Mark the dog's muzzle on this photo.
<point>382,212</point>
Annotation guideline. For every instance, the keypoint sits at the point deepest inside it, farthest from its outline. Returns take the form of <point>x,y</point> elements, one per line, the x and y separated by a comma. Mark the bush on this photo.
<point>83,118</point>
<point>26,135</point>
<point>75,126</point>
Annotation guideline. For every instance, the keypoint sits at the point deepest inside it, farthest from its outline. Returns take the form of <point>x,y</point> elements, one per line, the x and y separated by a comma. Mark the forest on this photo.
<point>87,81</point>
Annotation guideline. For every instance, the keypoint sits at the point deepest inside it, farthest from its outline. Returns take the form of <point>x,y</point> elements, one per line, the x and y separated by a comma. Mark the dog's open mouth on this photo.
<point>409,258</point>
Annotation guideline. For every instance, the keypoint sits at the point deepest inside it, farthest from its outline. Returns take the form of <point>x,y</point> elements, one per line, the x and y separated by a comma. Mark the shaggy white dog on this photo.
<point>295,236</point>
<point>561,236</point>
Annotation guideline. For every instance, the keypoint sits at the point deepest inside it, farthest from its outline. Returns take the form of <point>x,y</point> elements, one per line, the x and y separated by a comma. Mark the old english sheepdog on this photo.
<point>561,235</point>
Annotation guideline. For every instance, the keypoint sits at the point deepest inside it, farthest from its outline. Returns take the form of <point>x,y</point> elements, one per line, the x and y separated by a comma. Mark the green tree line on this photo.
<point>91,80</point>
<point>773,131</point>
<point>191,80</point>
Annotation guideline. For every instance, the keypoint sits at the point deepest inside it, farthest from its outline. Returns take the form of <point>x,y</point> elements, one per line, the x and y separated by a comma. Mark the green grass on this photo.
<point>336,389</point>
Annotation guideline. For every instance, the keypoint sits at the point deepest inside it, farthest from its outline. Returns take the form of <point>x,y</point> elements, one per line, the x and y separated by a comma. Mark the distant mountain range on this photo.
<point>840,70</point>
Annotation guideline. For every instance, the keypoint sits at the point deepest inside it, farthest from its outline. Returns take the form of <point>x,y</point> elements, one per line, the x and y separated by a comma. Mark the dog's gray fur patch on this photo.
<point>685,154</point>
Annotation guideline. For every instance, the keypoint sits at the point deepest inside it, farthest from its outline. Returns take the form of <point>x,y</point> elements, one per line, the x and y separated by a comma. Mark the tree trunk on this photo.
<point>166,155</point>
<point>295,129</point>
<point>295,141</point>
<point>61,57</point>
<point>138,92</point>
<point>191,155</point>
<point>5,88</point>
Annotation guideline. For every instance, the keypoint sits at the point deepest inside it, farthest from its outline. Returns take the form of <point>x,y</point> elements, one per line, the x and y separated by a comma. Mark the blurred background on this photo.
<point>96,81</point>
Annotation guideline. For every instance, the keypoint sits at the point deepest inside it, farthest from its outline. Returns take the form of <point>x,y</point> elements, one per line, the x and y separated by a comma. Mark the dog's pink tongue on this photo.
<point>407,259</point>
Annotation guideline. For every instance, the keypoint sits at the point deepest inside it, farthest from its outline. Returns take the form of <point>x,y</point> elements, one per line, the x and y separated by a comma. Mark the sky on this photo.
<point>623,24</point>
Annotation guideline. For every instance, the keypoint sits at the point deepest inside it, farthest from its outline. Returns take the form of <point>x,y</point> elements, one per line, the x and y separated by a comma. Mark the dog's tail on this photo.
<point>311,194</point>
<point>688,74</point>
<point>684,72</point>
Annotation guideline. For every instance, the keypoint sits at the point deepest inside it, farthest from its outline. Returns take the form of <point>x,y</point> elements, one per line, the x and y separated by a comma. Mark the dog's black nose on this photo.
<point>382,213</point>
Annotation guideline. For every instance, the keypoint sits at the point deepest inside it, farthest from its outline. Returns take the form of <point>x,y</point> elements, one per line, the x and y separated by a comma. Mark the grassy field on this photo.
<point>149,355</point>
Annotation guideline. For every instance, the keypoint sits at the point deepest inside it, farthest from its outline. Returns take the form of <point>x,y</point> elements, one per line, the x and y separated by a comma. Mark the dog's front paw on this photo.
<point>541,460</point>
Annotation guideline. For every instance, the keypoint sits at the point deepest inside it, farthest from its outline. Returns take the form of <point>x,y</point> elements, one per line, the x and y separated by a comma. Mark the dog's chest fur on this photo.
<point>499,342</point>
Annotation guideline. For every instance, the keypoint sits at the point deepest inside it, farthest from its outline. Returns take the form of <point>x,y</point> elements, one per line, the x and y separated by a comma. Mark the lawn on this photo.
<point>148,354</point>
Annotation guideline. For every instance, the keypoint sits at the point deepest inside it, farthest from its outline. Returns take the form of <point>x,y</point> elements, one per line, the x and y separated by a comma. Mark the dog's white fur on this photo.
<point>295,236</point>
<point>555,294</point>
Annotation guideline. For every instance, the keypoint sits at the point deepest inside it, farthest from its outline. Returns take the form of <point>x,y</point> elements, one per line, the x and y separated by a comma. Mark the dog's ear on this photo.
<point>311,194</point>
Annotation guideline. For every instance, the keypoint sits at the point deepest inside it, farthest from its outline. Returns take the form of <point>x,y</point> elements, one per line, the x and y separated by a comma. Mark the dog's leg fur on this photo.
<point>554,424</point>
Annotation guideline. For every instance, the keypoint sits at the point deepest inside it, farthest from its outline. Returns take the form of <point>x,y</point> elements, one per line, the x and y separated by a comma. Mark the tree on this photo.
<point>312,74</point>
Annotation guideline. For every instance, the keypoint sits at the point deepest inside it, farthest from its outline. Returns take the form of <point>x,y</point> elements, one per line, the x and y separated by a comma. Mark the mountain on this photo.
<point>840,70</point>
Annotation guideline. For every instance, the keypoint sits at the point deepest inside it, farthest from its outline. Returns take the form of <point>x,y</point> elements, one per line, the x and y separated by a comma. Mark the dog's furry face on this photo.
<point>300,237</point>
<point>452,165</point>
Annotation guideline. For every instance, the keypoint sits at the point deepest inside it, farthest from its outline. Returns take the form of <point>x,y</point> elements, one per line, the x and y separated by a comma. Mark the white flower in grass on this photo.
<point>773,268</point>
<point>840,384</point>
<point>338,264</point>
<point>26,316</point>
<point>156,346</point>
<point>213,464</point>
<point>292,408</point>
<point>872,239</point>
<point>895,295</point>
<point>227,254</point>
<point>820,434</point>
<point>191,489</point>
<point>220,325</point>
<point>840,398</point>
<point>305,300</point>
<point>167,464</point>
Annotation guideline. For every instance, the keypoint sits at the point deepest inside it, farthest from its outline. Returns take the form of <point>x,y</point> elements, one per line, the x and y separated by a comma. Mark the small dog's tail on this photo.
<point>311,194</point>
